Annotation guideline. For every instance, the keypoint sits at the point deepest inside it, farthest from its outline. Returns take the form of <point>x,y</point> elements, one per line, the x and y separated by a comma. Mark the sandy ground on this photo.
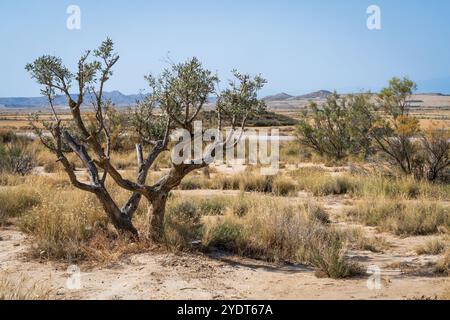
<point>404,275</point>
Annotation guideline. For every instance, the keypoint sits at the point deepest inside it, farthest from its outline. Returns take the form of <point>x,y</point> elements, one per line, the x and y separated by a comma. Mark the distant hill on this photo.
<point>321,94</point>
<point>117,98</point>
<point>278,97</point>
<point>438,94</point>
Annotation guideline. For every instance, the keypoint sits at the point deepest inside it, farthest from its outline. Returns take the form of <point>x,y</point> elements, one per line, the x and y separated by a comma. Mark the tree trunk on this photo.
<point>158,202</point>
<point>157,212</point>
<point>120,220</point>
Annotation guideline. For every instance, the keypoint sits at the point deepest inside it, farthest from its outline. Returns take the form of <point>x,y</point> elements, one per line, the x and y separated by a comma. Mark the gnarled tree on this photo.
<point>176,100</point>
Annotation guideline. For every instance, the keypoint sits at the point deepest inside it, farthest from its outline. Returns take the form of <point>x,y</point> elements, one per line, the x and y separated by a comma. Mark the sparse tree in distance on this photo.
<point>176,99</point>
<point>396,130</point>
<point>339,127</point>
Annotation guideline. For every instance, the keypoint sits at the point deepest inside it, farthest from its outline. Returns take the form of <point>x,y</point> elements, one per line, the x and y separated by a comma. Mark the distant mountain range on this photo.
<point>122,100</point>
<point>324,94</point>
<point>116,97</point>
<point>321,94</point>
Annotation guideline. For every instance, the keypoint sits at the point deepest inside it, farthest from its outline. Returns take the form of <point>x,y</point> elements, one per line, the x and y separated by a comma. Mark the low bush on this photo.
<point>15,159</point>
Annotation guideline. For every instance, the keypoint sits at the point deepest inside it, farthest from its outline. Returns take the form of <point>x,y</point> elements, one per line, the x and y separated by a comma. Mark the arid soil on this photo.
<point>404,274</point>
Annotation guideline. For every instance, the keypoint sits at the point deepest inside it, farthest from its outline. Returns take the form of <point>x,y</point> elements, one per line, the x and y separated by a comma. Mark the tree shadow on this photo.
<point>243,262</point>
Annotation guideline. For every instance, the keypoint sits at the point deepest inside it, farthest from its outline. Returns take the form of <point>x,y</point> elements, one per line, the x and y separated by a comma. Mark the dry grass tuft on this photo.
<point>23,289</point>
<point>276,231</point>
<point>284,186</point>
<point>445,295</point>
<point>62,226</point>
<point>359,241</point>
<point>432,247</point>
<point>321,183</point>
<point>402,217</point>
<point>66,223</point>
<point>443,265</point>
<point>15,201</point>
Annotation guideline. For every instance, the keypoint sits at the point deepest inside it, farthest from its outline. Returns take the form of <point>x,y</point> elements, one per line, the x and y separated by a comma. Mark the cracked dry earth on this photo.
<point>404,275</point>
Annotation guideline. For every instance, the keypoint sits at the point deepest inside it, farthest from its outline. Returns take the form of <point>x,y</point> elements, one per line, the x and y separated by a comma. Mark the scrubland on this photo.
<point>310,223</point>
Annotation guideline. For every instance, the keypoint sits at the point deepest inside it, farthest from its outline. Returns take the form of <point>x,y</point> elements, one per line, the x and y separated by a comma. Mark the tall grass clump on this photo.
<point>124,160</point>
<point>277,231</point>
<point>432,247</point>
<point>194,182</point>
<point>443,265</point>
<point>404,187</point>
<point>251,181</point>
<point>259,227</point>
<point>359,241</point>
<point>63,223</point>
<point>182,224</point>
<point>320,183</point>
<point>184,217</point>
<point>224,182</point>
<point>284,186</point>
<point>9,180</point>
<point>23,289</point>
<point>15,201</point>
<point>66,223</point>
<point>402,217</point>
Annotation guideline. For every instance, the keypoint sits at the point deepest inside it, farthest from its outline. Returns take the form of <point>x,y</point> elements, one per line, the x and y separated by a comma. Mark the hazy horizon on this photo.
<point>298,47</point>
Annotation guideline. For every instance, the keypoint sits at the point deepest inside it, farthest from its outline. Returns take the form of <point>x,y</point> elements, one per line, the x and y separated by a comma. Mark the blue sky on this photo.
<point>299,46</point>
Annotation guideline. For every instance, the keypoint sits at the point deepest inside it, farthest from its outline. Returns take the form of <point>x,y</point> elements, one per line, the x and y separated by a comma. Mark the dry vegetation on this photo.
<point>74,227</point>
<point>252,224</point>
<point>287,219</point>
<point>24,289</point>
<point>403,218</point>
